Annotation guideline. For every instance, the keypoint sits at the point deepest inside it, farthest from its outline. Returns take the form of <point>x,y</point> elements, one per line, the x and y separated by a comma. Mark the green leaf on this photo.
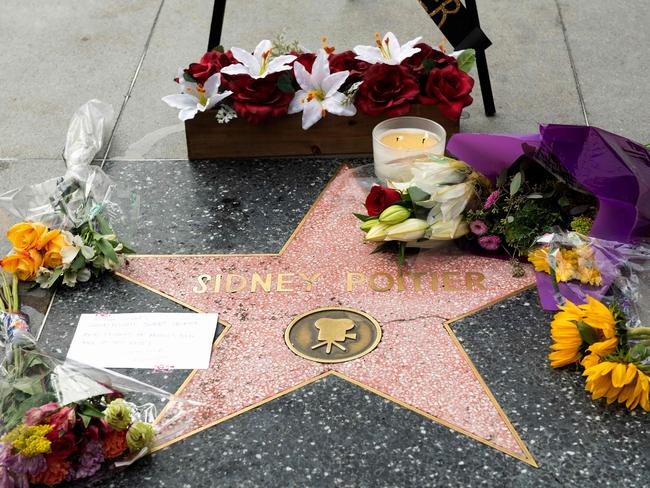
<point>188,77</point>
<point>218,48</point>
<point>78,262</point>
<point>579,209</point>
<point>85,419</point>
<point>501,180</point>
<point>31,386</point>
<point>535,196</point>
<point>417,195</point>
<point>91,411</point>
<point>103,225</point>
<point>467,60</point>
<point>515,183</point>
<point>107,250</point>
<point>401,255</point>
<point>56,274</point>
<point>383,247</point>
<point>588,334</point>
<point>428,65</point>
<point>363,218</point>
<point>563,202</point>
<point>284,83</point>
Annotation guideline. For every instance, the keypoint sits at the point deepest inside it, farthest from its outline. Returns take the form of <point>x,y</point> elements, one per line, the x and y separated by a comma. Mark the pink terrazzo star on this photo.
<point>418,363</point>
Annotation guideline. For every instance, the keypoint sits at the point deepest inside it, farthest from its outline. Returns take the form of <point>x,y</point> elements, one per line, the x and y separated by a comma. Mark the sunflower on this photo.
<point>600,317</point>
<point>619,381</point>
<point>566,336</point>
<point>539,258</point>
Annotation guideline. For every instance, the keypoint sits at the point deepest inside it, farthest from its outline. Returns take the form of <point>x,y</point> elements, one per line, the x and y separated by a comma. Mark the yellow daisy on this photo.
<point>539,258</point>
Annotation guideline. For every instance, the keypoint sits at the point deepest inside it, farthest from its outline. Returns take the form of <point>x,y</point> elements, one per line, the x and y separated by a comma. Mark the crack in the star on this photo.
<point>419,317</point>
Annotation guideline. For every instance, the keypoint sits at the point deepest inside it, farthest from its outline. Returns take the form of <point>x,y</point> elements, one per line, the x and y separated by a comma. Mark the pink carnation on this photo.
<point>491,243</point>
<point>478,227</point>
<point>491,199</point>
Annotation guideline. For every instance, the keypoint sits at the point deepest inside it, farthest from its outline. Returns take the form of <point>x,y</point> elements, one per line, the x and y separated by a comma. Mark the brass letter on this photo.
<point>309,280</point>
<point>217,283</point>
<point>447,284</point>
<point>284,279</point>
<point>416,280</point>
<point>474,280</point>
<point>373,282</point>
<point>434,281</point>
<point>257,279</point>
<point>229,285</point>
<point>354,279</point>
<point>400,281</point>
<point>203,282</point>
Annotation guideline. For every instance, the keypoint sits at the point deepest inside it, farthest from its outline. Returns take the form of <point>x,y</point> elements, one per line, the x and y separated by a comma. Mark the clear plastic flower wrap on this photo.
<point>62,420</point>
<point>572,266</point>
<point>85,205</point>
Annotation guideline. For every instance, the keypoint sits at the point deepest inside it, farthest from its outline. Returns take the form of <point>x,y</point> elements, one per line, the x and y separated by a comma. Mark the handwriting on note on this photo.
<point>144,340</point>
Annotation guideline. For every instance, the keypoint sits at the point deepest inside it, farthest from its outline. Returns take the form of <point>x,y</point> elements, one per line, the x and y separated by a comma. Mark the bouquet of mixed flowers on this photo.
<point>527,201</point>
<point>66,234</point>
<point>61,420</point>
<point>428,207</point>
<point>279,79</point>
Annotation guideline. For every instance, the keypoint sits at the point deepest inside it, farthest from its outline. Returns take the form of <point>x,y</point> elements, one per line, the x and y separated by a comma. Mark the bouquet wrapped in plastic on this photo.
<point>62,420</point>
<point>68,228</point>
<point>427,206</point>
<point>602,189</point>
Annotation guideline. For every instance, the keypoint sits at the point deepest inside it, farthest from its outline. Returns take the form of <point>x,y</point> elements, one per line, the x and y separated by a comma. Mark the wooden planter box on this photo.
<point>207,139</point>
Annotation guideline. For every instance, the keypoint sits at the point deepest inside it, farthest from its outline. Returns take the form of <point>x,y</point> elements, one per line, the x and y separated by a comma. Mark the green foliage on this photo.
<point>467,60</point>
<point>284,83</point>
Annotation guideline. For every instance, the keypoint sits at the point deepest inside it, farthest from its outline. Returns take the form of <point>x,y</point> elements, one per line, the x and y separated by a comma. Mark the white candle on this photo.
<point>399,141</point>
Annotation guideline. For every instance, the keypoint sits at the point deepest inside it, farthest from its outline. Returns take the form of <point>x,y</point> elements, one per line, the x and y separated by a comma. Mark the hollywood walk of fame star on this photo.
<point>418,363</point>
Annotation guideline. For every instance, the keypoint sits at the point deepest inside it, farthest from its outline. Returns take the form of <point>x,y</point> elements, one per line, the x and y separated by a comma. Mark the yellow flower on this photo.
<point>566,262</point>
<point>30,440</point>
<point>604,348</point>
<point>25,235</point>
<point>621,382</point>
<point>23,263</point>
<point>539,258</point>
<point>589,276</point>
<point>567,343</point>
<point>598,316</point>
<point>590,360</point>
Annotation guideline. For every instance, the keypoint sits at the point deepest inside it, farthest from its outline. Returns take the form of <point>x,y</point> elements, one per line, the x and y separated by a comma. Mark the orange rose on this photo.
<point>52,245</point>
<point>46,238</point>
<point>57,243</point>
<point>24,264</point>
<point>25,235</point>
<point>52,259</point>
<point>56,472</point>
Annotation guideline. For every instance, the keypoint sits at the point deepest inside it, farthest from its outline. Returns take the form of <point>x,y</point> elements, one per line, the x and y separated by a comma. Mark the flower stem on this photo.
<point>638,332</point>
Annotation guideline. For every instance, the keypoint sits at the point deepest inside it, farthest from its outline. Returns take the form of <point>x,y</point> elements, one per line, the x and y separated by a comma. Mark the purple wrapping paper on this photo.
<point>613,168</point>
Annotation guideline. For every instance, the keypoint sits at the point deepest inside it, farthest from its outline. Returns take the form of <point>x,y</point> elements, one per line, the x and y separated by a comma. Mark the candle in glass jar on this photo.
<point>398,142</point>
<point>409,139</point>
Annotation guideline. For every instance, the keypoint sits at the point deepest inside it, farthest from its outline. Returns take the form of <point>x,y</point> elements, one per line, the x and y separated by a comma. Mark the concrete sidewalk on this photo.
<point>552,61</point>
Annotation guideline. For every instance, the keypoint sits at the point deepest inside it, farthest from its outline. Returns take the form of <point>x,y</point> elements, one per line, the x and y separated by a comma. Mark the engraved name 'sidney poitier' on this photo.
<point>430,281</point>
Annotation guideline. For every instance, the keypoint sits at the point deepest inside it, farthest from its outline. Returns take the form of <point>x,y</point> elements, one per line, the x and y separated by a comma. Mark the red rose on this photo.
<point>256,100</point>
<point>449,88</point>
<point>415,63</point>
<point>200,72</point>
<point>217,59</point>
<point>386,90</point>
<point>347,61</point>
<point>380,198</point>
<point>306,59</point>
<point>63,447</point>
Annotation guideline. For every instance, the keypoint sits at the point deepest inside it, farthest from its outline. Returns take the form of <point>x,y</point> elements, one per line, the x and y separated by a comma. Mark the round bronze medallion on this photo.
<point>332,335</point>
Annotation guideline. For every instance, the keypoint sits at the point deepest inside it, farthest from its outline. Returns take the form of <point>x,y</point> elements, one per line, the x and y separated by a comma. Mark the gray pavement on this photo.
<point>57,55</point>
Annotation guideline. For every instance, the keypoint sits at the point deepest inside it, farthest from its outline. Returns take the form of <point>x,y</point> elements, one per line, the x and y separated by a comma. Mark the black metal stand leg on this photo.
<point>216,26</point>
<point>482,66</point>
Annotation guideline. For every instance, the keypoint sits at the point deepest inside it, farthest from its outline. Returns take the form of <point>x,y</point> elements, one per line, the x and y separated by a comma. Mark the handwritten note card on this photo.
<point>145,340</point>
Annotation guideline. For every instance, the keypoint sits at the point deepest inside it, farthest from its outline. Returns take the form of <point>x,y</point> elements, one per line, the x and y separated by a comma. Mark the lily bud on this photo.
<point>409,230</point>
<point>394,215</point>
<point>377,233</point>
<point>369,224</point>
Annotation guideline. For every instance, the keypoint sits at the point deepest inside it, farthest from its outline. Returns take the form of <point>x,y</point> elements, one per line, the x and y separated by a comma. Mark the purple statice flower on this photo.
<point>9,478</point>
<point>89,462</point>
<point>478,227</point>
<point>491,199</point>
<point>491,243</point>
<point>31,465</point>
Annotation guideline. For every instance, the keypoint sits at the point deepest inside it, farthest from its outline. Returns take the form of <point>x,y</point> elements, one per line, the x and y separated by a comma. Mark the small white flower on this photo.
<point>388,50</point>
<point>319,92</point>
<point>196,97</point>
<point>260,63</point>
<point>69,253</point>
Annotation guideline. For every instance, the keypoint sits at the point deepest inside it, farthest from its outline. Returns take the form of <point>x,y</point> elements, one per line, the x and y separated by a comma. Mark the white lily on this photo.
<point>196,97</point>
<point>69,253</point>
<point>409,230</point>
<point>388,50</point>
<point>259,64</point>
<point>319,92</point>
<point>448,229</point>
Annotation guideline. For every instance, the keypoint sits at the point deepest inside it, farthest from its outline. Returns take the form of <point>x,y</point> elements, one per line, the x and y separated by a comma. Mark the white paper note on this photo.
<point>145,340</point>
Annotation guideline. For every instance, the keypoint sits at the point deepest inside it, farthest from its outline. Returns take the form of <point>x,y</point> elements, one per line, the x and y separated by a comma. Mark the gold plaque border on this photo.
<point>527,457</point>
<point>367,351</point>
